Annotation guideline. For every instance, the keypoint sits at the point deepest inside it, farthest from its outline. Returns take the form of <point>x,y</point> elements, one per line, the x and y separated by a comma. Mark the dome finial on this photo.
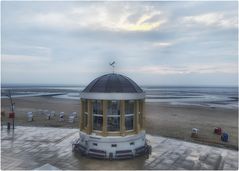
<point>113,66</point>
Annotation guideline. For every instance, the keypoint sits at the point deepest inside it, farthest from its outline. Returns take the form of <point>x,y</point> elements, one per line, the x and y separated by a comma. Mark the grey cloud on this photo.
<point>94,47</point>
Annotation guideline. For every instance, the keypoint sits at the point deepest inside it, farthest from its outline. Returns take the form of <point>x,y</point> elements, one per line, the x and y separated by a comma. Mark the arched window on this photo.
<point>129,114</point>
<point>97,115</point>
<point>113,116</point>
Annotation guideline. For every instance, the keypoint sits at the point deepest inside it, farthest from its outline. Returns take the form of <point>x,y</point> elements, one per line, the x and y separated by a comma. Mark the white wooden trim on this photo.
<point>112,96</point>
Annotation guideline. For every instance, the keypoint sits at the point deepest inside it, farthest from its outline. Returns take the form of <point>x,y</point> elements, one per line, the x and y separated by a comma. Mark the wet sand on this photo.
<point>175,121</point>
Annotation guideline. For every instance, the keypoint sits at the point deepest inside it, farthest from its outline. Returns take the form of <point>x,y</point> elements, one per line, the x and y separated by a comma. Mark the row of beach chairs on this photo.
<point>50,114</point>
<point>217,130</point>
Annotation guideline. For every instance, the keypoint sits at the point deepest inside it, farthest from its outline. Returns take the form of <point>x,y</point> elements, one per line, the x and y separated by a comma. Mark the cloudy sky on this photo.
<point>154,43</point>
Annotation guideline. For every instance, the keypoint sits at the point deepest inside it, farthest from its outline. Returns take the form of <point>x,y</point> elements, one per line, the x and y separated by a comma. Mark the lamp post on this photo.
<point>12,114</point>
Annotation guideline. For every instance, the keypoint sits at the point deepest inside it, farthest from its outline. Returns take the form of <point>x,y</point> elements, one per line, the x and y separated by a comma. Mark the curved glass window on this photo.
<point>113,116</point>
<point>97,115</point>
<point>85,119</point>
<point>129,122</point>
<point>129,114</point>
<point>141,113</point>
<point>85,113</point>
<point>129,107</point>
<point>85,105</point>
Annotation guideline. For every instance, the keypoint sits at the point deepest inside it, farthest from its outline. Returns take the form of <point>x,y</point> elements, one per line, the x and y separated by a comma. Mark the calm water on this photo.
<point>226,97</point>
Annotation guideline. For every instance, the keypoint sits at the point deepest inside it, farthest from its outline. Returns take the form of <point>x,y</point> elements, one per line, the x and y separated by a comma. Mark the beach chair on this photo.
<point>74,114</point>
<point>218,131</point>
<point>194,133</point>
<point>224,137</point>
<point>71,119</point>
<point>30,116</point>
<point>45,111</point>
<point>53,113</point>
<point>61,116</point>
<point>48,116</point>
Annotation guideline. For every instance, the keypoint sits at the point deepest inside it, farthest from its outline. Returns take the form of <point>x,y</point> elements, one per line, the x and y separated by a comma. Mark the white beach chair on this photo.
<point>194,133</point>
<point>71,119</point>
<point>53,113</point>
<point>48,116</point>
<point>74,114</point>
<point>45,111</point>
<point>30,116</point>
<point>61,116</point>
<point>195,130</point>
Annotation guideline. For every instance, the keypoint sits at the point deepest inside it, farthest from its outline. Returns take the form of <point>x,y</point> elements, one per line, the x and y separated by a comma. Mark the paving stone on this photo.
<point>192,157</point>
<point>203,157</point>
<point>174,156</point>
<point>188,164</point>
<point>161,167</point>
<point>168,162</point>
<point>204,166</point>
<point>151,159</point>
<point>213,159</point>
<point>227,166</point>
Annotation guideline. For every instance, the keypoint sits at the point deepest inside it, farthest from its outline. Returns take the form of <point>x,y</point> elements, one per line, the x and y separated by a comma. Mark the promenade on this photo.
<point>32,147</point>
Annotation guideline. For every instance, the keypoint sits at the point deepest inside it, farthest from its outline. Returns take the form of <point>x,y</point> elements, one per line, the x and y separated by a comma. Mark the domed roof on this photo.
<point>113,83</point>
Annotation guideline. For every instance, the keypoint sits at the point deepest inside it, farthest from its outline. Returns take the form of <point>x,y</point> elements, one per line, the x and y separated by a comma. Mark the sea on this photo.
<point>223,97</point>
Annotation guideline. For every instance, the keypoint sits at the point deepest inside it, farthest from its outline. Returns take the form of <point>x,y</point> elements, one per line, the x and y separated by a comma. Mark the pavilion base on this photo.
<point>112,148</point>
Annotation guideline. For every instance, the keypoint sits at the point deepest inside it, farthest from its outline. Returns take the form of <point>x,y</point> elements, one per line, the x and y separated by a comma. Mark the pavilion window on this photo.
<point>113,116</point>
<point>85,105</point>
<point>85,113</point>
<point>129,114</point>
<point>97,115</point>
<point>141,114</point>
<point>85,119</point>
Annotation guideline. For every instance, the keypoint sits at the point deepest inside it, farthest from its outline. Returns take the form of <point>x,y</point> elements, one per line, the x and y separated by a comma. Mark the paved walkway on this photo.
<point>32,147</point>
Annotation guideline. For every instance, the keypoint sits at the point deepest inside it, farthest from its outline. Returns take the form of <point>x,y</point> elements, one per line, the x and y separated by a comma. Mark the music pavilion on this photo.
<point>112,119</point>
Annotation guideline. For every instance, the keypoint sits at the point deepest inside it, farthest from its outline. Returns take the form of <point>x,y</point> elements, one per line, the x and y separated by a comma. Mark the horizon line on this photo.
<point>83,85</point>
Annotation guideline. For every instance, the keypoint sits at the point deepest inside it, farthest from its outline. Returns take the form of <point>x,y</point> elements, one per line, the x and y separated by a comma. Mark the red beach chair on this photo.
<point>218,131</point>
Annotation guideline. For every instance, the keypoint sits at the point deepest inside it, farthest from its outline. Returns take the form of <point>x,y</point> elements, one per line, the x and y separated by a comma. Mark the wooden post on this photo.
<point>104,129</point>
<point>137,117</point>
<point>89,124</point>
<point>81,115</point>
<point>135,112</point>
<point>122,117</point>
<point>143,114</point>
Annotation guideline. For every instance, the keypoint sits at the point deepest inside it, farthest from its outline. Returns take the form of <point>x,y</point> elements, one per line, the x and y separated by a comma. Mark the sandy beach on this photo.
<point>164,119</point>
<point>177,121</point>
